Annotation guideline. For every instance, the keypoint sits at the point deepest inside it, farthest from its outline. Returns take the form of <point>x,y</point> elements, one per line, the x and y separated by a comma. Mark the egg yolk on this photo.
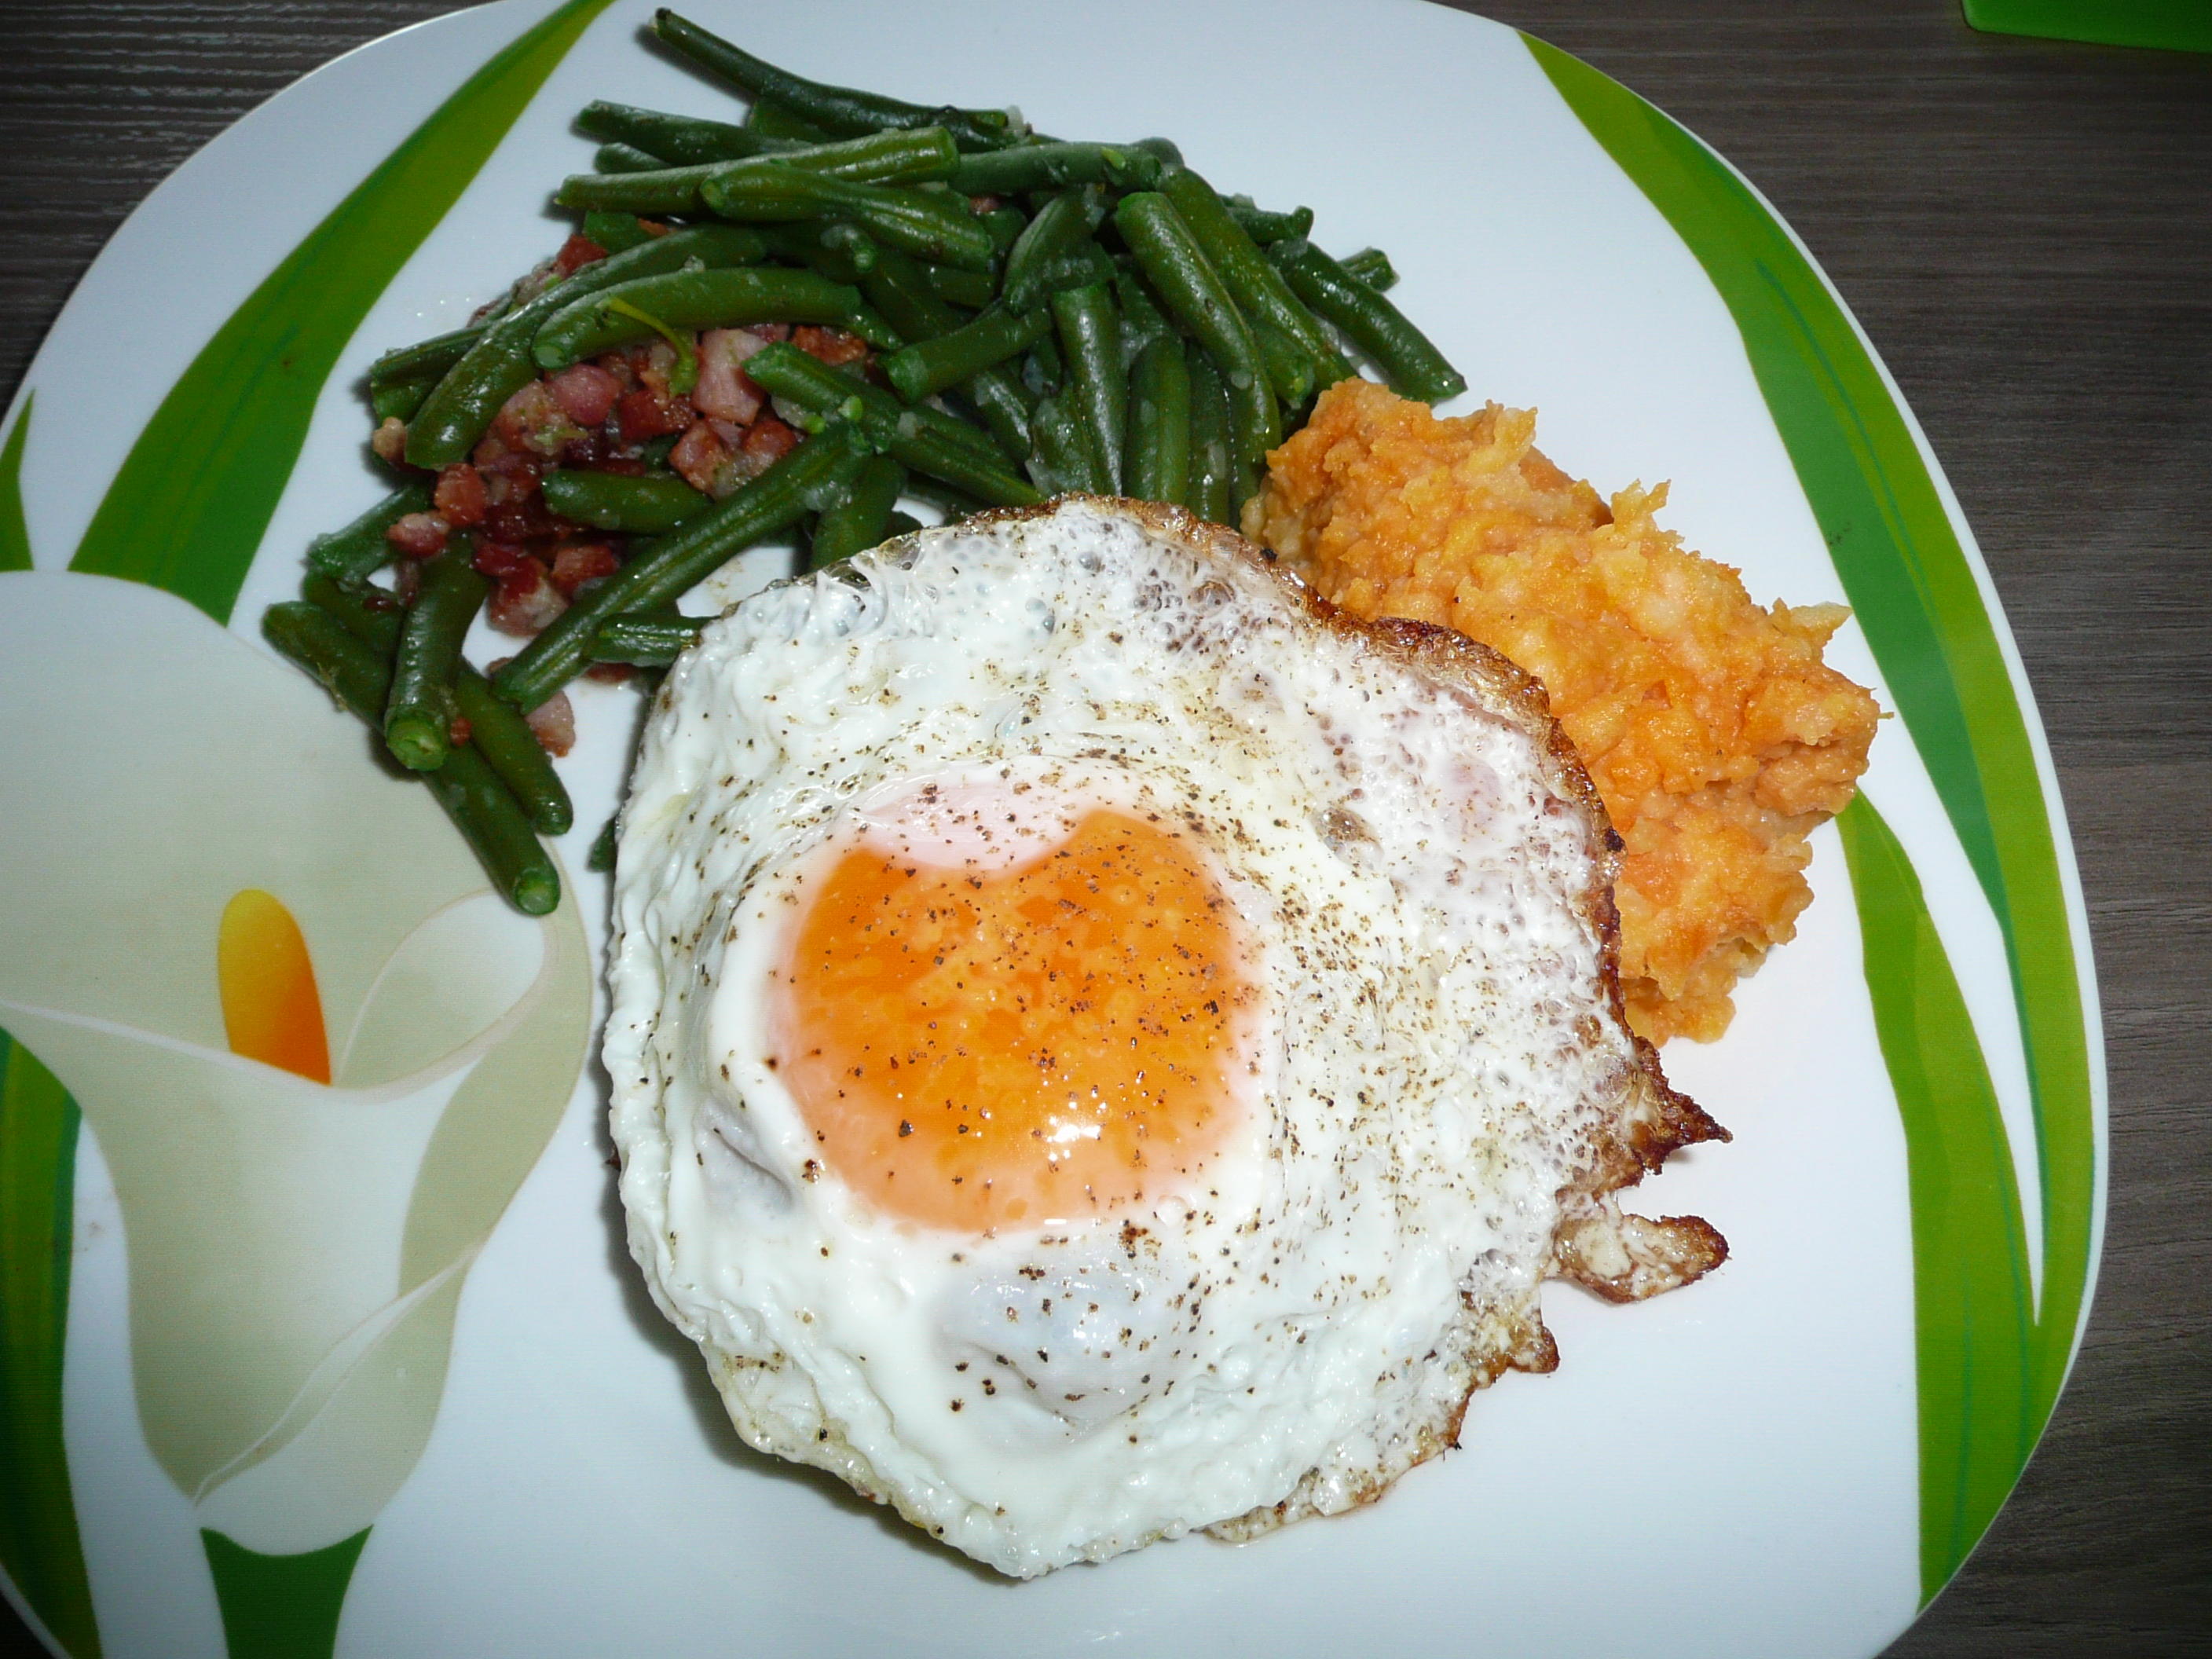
<point>978,1048</point>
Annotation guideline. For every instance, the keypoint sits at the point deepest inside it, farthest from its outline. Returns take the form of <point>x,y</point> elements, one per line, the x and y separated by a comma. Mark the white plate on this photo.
<point>1790,1457</point>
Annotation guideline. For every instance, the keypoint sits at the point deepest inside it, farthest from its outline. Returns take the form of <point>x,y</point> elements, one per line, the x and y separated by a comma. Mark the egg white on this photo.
<point>1434,1056</point>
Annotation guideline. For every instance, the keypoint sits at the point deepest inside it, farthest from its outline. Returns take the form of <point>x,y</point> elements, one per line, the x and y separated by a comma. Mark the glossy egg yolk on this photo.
<point>977,1048</point>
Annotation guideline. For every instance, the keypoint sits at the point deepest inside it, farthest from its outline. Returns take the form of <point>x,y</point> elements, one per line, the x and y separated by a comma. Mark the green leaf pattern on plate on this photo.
<point>1916,600</point>
<point>187,510</point>
<point>186,513</point>
<point>14,532</point>
<point>38,1545</point>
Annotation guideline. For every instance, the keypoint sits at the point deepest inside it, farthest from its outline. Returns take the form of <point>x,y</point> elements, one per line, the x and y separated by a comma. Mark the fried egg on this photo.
<point>1103,1047</point>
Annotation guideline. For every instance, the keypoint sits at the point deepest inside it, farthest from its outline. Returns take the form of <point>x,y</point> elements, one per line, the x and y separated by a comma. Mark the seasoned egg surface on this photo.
<point>1102,1047</point>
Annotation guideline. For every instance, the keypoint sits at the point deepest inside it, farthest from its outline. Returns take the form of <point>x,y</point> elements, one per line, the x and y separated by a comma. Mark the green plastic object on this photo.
<point>2175,25</point>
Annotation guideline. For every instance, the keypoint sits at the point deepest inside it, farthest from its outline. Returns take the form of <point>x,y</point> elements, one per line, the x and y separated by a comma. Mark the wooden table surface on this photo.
<point>2025,229</point>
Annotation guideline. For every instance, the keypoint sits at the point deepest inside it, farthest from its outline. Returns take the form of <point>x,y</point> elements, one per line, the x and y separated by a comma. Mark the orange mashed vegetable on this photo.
<point>1716,737</point>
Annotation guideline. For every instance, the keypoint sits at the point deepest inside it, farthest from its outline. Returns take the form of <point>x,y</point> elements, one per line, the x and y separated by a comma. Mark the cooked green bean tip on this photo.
<point>601,857</point>
<point>844,111</point>
<point>1408,358</point>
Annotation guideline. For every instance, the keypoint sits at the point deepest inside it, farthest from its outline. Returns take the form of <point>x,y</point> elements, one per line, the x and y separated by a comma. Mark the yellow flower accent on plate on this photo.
<point>314,1106</point>
<point>271,1010</point>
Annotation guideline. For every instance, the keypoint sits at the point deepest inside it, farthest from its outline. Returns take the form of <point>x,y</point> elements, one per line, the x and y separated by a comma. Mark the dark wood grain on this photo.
<point>2024,229</point>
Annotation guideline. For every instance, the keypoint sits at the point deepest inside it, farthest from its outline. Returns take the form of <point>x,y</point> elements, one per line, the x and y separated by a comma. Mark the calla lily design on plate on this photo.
<point>317,1053</point>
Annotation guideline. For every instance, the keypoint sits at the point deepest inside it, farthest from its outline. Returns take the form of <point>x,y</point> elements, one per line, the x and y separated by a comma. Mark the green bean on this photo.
<point>1177,266</point>
<point>607,500</point>
<point>1372,266</point>
<point>859,520</point>
<point>1062,454</point>
<point>397,400</point>
<point>997,397</point>
<point>684,139</point>
<point>359,680</point>
<point>930,227</point>
<point>883,158</point>
<point>418,715</point>
<point>362,545</point>
<point>1090,330</point>
<point>928,365</point>
<point>841,251</point>
<point>1042,370</point>
<point>834,109</point>
<point>617,233</point>
<point>645,639</point>
<point>1209,490</point>
<point>1006,225</point>
<point>899,287</point>
<point>922,438</point>
<point>972,289</point>
<point>1087,265</point>
<point>726,298</point>
<point>499,363</point>
<point>1408,360</point>
<point>1061,226</point>
<point>801,483</point>
<point>1157,464</point>
<point>1260,291</point>
<point>1291,372</point>
<point>1024,167</point>
<point>1141,321</point>
<point>1263,227</point>
<point>1161,150</point>
<point>952,503</point>
<point>501,736</point>
<point>431,357</point>
<point>601,858</point>
<point>901,524</point>
<point>772,120</point>
<point>626,158</point>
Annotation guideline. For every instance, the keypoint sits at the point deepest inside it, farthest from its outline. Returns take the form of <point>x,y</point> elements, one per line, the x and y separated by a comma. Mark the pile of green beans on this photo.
<point>1042,315</point>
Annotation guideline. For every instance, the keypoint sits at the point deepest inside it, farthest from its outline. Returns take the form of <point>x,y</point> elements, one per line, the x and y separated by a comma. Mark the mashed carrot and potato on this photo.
<point>1713,730</point>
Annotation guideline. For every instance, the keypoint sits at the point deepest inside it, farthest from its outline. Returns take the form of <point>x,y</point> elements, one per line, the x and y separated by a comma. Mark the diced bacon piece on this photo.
<point>586,392</point>
<point>645,414</point>
<point>701,454</point>
<point>498,559</point>
<point>576,253</point>
<point>832,345</point>
<point>520,518</point>
<point>726,392</point>
<point>533,420</point>
<point>764,443</point>
<point>509,475</point>
<point>653,227</point>
<point>461,497</point>
<point>575,563</point>
<point>458,729</point>
<point>617,364</point>
<point>608,673</point>
<point>772,331</point>
<point>769,441</point>
<point>419,536</point>
<point>406,583</point>
<point>587,452</point>
<point>389,440</point>
<point>526,600</point>
<point>553,723</point>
